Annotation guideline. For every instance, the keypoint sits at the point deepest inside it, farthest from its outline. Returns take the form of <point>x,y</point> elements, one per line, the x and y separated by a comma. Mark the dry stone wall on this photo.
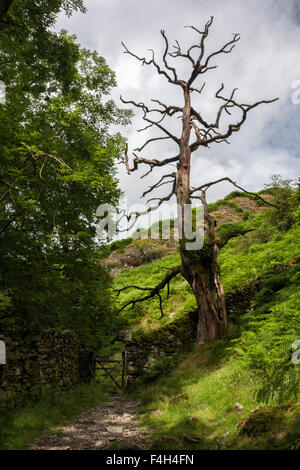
<point>51,359</point>
<point>143,352</point>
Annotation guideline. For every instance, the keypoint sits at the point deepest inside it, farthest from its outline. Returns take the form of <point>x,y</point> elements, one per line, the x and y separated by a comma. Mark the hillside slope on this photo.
<point>130,253</point>
<point>187,402</point>
<point>144,262</point>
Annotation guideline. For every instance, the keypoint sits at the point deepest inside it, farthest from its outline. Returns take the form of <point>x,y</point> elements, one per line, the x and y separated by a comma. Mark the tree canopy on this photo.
<point>57,165</point>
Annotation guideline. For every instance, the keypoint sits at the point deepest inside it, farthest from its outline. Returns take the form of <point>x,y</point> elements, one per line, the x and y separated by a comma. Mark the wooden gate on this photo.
<point>113,369</point>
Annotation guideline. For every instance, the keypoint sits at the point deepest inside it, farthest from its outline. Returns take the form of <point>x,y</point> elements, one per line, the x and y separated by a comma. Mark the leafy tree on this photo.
<point>286,198</point>
<point>57,165</point>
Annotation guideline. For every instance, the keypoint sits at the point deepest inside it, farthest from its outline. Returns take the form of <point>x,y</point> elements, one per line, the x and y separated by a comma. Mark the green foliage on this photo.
<point>240,265</point>
<point>229,229</point>
<point>265,346</point>
<point>118,245</point>
<point>263,232</point>
<point>159,368</point>
<point>74,295</point>
<point>57,166</point>
<point>286,196</point>
<point>214,206</point>
<point>20,427</point>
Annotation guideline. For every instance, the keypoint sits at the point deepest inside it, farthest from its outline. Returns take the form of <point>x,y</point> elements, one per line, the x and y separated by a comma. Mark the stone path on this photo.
<point>109,425</point>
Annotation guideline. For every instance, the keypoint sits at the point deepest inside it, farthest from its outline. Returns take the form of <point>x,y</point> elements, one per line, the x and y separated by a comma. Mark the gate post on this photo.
<point>123,369</point>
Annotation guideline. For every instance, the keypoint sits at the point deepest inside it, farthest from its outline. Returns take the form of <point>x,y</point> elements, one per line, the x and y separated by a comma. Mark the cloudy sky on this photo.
<point>265,64</point>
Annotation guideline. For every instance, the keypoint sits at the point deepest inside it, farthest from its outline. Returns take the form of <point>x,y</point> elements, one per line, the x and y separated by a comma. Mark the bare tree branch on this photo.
<point>151,62</point>
<point>146,111</point>
<point>154,139</point>
<point>223,50</point>
<point>179,53</point>
<point>169,110</point>
<point>198,67</point>
<point>229,103</point>
<point>205,186</point>
<point>234,234</point>
<point>151,162</point>
<point>172,69</point>
<point>160,183</point>
<point>136,214</point>
<point>153,291</point>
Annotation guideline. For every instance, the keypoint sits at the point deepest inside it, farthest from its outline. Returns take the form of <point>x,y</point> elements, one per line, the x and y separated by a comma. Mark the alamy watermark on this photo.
<point>178,223</point>
<point>296,95</point>
<point>2,92</point>
<point>296,354</point>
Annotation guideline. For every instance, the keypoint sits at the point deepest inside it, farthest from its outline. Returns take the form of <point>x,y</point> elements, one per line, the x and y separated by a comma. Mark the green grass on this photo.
<point>267,333</point>
<point>215,377</point>
<point>19,428</point>
<point>241,260</point>
<point>206,381</point>
<point>213,383</point>
<point>239,268</point>
<point>146,315</point>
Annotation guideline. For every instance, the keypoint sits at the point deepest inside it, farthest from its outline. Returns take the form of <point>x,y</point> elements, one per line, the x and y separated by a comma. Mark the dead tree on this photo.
<point>199,268</point>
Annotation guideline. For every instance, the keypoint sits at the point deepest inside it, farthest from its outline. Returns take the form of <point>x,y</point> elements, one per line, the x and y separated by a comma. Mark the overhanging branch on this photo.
<point>147,161</point>
<point>204,187</point>
<point>234,234</point>
<point>229,103</point>
<point>153,291</point>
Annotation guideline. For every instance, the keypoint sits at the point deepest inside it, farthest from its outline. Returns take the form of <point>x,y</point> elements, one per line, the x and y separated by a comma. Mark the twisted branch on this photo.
<point>205,186</point>
<point>234,234</point>
<point>153,291</point>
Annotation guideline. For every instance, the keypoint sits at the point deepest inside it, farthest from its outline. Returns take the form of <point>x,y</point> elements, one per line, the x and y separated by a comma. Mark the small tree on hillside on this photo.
<point>199,267</point>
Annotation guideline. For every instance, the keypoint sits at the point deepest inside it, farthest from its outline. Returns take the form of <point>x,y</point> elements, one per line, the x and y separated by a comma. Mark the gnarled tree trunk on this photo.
<point>199,267</point>
<point>201,271</point>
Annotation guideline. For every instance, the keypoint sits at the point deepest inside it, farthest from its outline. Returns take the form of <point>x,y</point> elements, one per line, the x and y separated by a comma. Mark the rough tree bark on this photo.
<point>199,267</point>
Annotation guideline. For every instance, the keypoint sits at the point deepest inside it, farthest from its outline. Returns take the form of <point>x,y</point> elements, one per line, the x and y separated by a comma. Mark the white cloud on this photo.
<point>263,65</point>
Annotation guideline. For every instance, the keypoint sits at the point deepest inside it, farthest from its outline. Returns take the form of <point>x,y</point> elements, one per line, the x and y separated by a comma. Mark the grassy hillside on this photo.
<point>238,393</point>
<point>241,260</point>
<point>196,405</point>
<point>203,402</point>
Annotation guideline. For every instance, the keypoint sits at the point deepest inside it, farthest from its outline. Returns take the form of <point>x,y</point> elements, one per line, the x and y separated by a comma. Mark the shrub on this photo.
<point>265,346</point>
<point>286,196</point>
